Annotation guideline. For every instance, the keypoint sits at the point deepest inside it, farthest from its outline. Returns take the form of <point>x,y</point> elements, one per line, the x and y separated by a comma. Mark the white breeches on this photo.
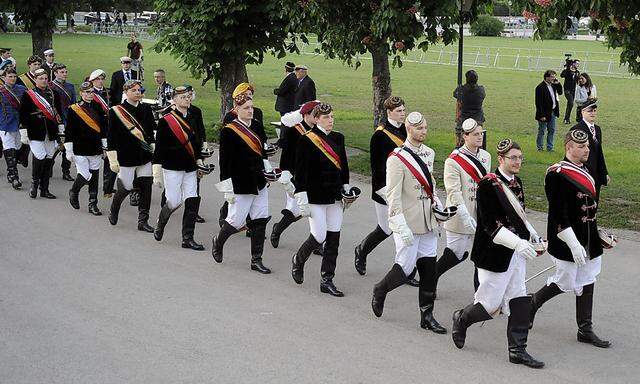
<point>498,288</point>
<point>42,149</point>
<point>382,214</point>
<point>424,245</point>
<point>10,140</point>
<point>179,186</point>
<point>128,174</point>
<point>292,205</point>
<point>257,206</point>
<point>325,217</point>
<point>571,278</point>
<point>459,243</point>
<point>85,164</point>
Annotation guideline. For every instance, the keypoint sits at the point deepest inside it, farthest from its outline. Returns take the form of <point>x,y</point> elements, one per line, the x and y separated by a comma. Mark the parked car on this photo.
<point>146,17</point>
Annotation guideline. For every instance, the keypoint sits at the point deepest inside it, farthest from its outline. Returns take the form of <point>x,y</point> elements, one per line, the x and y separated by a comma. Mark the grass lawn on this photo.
<point>509,108</point>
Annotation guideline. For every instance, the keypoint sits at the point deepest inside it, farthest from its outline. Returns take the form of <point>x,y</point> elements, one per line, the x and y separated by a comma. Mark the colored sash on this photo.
<point>325,148</point>
<point>85,116</point>
<point>103,103</point>
<point>60,87</point>
<point>471,166</point>
<point>420,174</point>
<point>509,203</point>
<point>179,127</point>
<point>132,125</point>
<point>43,105</point>
<point>576,176</point>
<point>11,97</point>
<point>396,140</point>
<point>300,129</point>
<point>250,138</point>
<point>28,81</point>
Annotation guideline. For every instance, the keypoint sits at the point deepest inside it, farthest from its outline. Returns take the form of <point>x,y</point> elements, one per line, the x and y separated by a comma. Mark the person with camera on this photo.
<point>585,93</point>
<point>547,108</point>
<point>570,74</point>
<point>470,97</point>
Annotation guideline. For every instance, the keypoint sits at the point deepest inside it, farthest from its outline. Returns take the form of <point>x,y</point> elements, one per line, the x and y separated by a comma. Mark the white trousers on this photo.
<point>255,205</point>
<point>42,149</point>
<point>85,164</point>
<point>179,186</point>
<point>10,140</point>
<point>459,243</point>
<point>292,205</point>
<point>325,217</point>
<point>424,245</point>
<point>571,278</point>
<point>498,288</point>
<point>382,214</point>
<point>128,174</point>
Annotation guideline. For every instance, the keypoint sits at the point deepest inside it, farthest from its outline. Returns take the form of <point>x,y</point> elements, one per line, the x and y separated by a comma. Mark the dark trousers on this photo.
<point>567,113</point>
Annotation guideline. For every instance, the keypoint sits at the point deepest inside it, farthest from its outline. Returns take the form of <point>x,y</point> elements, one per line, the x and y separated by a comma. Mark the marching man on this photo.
<point>297,124</point>
<point>28,79</point>
<point>130,150</point>
<point>101,97</point>
<point>410,195</point>
<point>67,93</point>
<point>502,245</point>
<point>177,157</point>
<point>14,150</point>
<point>322,193</point>
<point>575,244</point>
<point>463,170</point>
<point>85,139</point>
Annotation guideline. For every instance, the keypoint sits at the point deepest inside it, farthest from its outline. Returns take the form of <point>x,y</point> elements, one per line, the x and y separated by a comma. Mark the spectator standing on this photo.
<point>124,18</point>
<point>135,52</point>
<point>49,62</point>
<point>118,24</point>
<point>118,78</point>
<point>547,108</point>
<point>470,97</point>
<point>570,74</point>
<point>306,90</point>
<point>585,91</point>
<point>286,92</point>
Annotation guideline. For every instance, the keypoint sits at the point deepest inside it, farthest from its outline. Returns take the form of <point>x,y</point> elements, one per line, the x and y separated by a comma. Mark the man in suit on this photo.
<point>119,78</point>
<point>306,90</point>
<point>595,163</point>
<point>286,92</point>
<point>547,108</point>
<point>49,63</point>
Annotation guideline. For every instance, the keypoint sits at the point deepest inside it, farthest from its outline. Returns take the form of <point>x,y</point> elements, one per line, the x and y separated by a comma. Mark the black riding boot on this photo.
<point>163,219</point>
<point>75,191</point>
<point>66,167</point>
<point>287,219</point>
<point>108,179</point>
<point>301,256</point>
<point>367,245</point>
<point>191,206</point>
<point>44,179</point>
<point>463,318</point>
<point>537,299</point>
<point>392,280</point>
<point>22,155</point>
<point>584,309</point>
<point>144,204</point>
<point>93,192</point>
<point>328,266</point>
<point>118,198</point>
<point>12,168</point>
<point>218,241</point>
<point>447,261</point>
<point>411,279</point>
<point>258,228</point>
<point>224,211</point>
<point>517,332</point>
<point>427,269</point>
<point>37,169</point>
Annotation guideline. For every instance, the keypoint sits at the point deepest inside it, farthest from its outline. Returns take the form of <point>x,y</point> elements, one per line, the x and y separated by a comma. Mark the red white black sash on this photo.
<point>417,168</point>
<point>181,130</point>
<point>472,166</point>
<point>576,176</point>
<point>62,91</point>
<point>103,103</point>
<point>43,105</point>
<point>11,97</point>
<point>509,202</point>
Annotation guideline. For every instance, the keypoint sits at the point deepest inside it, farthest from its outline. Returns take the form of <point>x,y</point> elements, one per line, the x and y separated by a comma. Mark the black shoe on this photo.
<point>191,244</point>
<point>163,219</point>
<point>73,199</point>
<point>219,240</point>
<point>590,337</point>
<point>191,207</point>
<point>327,286</point>
<point>297,270</point>
<point>392,280</point>
<point>518,332</point>
<point>93,209</point>
<point>522,357</point>
<point>216,250</point>
<point>367,245</point>
<point>425,302</point>
<point>287,219</point>
<point>67,177</point>
<point>46,194</point>
<point>16,184</point>
<point>584,308</point>
<point>145,227</point>
<point>300,257</point>
<point>458,329</point>
<point>33,192</point>
<point>200,219</point>
<point>463,318</point>
<point>256,265</point>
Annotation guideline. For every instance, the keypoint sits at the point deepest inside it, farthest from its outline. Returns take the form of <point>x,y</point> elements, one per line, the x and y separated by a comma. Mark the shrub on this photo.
<point>487,25</point>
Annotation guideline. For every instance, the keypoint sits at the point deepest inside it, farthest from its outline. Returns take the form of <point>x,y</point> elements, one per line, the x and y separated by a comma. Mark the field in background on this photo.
<point>428,88</point>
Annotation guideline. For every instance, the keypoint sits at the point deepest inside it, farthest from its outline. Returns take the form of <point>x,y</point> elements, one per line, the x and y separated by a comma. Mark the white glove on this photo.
<point>398,224</point>
<point>158,179</point>
<point>200,162</point>
<point>437,203</point>
<point>61,129</point>
<point>104,144</point>
<point>267,165</point>
<point>68,147</point>
<point>303,203</point>
<point>285,180</point>
<point>230,197</point>
<point>382,192</point>
<point>153,147</point>
<point>511,240</point>
<point>466,218</point>
<point>24,137</point>
<point>535,238</point>
<point>577,250</point>
<point>113,161</point>
<point>226,187</point>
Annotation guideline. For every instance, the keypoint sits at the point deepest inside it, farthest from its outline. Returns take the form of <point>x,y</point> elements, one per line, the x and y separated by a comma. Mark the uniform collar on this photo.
<point>504,174</point>
<point>468,152</point>
<point>244,122</point>
<point>394,123</point>
<point>127,101</point>
<point>322,130</point>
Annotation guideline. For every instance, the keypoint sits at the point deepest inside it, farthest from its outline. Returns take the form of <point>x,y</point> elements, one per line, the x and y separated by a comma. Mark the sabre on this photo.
<point>540,273</point>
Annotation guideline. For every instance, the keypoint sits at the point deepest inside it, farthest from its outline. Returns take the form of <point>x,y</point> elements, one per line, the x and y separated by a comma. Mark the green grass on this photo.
<point>508,108</point>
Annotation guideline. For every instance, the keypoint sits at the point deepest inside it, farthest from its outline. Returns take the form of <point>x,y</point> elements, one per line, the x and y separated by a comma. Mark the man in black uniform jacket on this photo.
<point>306,90</point>
<point>118,78</point>
<point>595,163</point>
<point>130,149</point>
<point>286,92</point>
<point>501,248</point>
<point>101,96</point>
<point>572,230</point>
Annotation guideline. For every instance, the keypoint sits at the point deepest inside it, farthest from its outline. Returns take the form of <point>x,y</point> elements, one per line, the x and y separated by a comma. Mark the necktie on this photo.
<point>592,128</point>
<point>127,76</point>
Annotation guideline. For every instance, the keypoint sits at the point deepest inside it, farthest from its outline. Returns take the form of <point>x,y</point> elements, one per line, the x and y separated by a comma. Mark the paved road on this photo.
<point>84,302</point>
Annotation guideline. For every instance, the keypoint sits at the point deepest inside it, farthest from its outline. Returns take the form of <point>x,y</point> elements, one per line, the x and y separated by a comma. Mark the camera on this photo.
<point>568,61</point>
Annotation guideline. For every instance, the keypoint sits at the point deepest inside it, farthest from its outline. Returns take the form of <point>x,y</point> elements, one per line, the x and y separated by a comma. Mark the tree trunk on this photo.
<point>233,72</point>
<point>69,25</point>
<point>41,36</point>
<point>380,81</point>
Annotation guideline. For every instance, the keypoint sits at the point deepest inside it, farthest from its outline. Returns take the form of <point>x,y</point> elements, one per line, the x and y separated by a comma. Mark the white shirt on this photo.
<point>553,95</point>
<point>322,129</point>
<point>506,176</point>
<point>394,123</point>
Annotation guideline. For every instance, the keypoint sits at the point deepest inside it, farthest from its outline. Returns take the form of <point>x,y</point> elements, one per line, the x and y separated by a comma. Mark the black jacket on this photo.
<point>86,141</point>
<point>495,212</point>
<point>117,81</point>
<point>240,163</point>
<point>170,152</point>
<point>48,69</point>
<point>197,123</point>
<point>289,145</point>
<point>380,147</point>
<point>316,174</point>
<point>34,121</point>
<point>131,152</point>
<point>570,207</point>
<point>596,163</point>
<point>570,80</point>
<point>306,91</point>
<point>471,99</point>
<point>544,102</point>
<point>286,94</point>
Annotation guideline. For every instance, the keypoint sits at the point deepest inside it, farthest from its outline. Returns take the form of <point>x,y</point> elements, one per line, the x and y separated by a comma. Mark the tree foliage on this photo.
<point>487,25</point>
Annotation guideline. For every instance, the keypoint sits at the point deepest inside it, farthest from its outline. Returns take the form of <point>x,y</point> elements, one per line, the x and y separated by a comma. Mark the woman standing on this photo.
<point>585,90</point>
<point>470,97</point>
